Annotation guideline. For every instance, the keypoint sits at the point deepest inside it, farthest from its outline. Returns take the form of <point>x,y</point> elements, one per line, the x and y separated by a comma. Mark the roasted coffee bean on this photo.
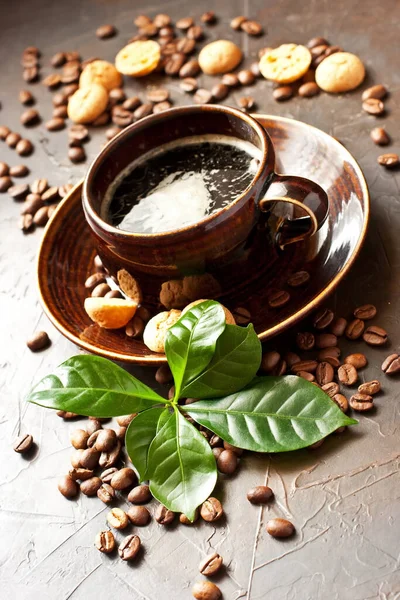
<point>338,326</point>
<point>284,92</point>
<point>246,77</point>
<point>241,315</point>
<point>12,139</point>
<point>106,493</point>
<point>139,515</point>
<point>39,186</point>
<point>94,280</point>
<point>318,50</point>
<point>66,415</point>
<point>105,542</point>
<point>157,95</point>
<point>107,474</point>
<point>168,48</point>
<point>317,41</point>
<point>143,111</point>
<point>174,63</point>
<point>280,528</point>
<point>163,374</point>
<point>38,341</point>
<point>112,132</point>
<point>280,369</point>
<point>269,361</point>
<point>32,204</point>
<point>227,462</point>
<point>73,55</point>
<point>215,441</point>
<point>129,548</point>
<point>278,298</point>
<point>100,290</point>
<point>305,340</point>
<point>162,20</point>
<point>184,23</point>
<point>123,478</point>
<point>217,452</point>
<point>116,96</point>
<point>211,510</point>
<point>202,96</point>
<point>58,59</point>
<point>391,364</point>
<point>347,374</point>
<point>121,116</point>
<point>375,336</point>
<point>60,99</point>
<point>255,69</point>
<point>78,132</point>
<point>378,92</point>
<point>373,106</point>
<point>189,69</point>
<point>135,327</point>
<point>245,102</point>
<point>358,360</point>
<point>323,319</point>
<point>68,487</point>
<point>91,486</point>
<point>19,171</point>
<point>90,458</point>
<point>324,373</point>
<point>389,160</point>
<point>310,366</point>
<point>316,445</point>
<point>251,28</point>
<point>109,459</point>
<point>354,329</point>
<point>163,515</point>
<point>142,21</point>
<point>4,169</point>
<point>140,494</point>
<point>370,387</point>
<point>106,31</point>
<point>77,454</point>
<point>341,401</point>
<point>76,154</point>
<point>185,45</point>
<point>131,103</point>
<point>80,474</point>
<point>79,439</point>
<point>50,194</point>
<point>31,74</point>
<point>55,124</point>
<point>26,97</point>
<point>230,79</point>
<point>70,89</point>
<point>309,89</point>
<point>24,147</point>
<point>325,340</point>
<point>261,494</point>
<point>365,312</point>
<point>23,443</point>
<point>206,590</point>
<point>237,22</point>
<point>5,184</point>
<point>52,81</point>
<point>379,136</point>
<point>117,518</point>
<point>125,420</point>
<point>195,33</point>
<point>4,132</point>
<point>26,223</point>
<point>299,278</point>
<point>291,359</point>
<point>189,85</point>
<point>361,402</point>
<point>304,375</point>
<point>330,388</point>
<point>208,17</point>
<point>211,564</point>
<point>19,191</point>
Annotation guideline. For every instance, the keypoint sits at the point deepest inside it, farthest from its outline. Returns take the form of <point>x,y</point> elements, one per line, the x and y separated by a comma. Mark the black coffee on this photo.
<point>180,184</point>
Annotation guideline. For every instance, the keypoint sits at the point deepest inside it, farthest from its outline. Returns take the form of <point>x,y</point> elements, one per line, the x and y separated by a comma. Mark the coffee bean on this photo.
<point>227,462</point>
<point>106,493</point>
<point>299,278</point>
<point>184,23</point>
<point>365,312</point>
<point>92,438</point>
<point>78,132</point>
<point>12,139</point>
<point>55,124</point>
<point>26,97</point>
<point>52,81</point>
<point>67,415</point>
<point>24,147</point>
<point>4,169</point>
<point>5,184</point>
<point>106,31</point>
<point>280,369</point>
<point>278,298</point>
<point>39,186</point>
<point>195,33</point>
<point>189,84</point>
<point>217,452</point>
<point>317,51</point>
<point>91,486</point>
<point>291,359</point>
<point>79,439</point>
<point>251,28</point>
<point>163,375</point>
<point>338,326</point>
<point>341,401</point>
<point>389,160</point>
<point>308,89</point>
<point>94,280</point>
<point>51,194</point>
<point>377,92</point>
<point>211,564</point>
<point>361,402</point>
<point>76,154</point>
<point>373,106</point>
<point>124,478</point>
<point>245,102</point>
<point>161,106</point>
<point>121,116</point>
<point>125,420</point>
<point>323,319</point>
<point>105,542</point>
<point>208,17</point>
<point>30,74</point>
<point>4,132</point>
<point>77,454</point>
<point>375,336</point>
<point>237,22</point>
<point>379,136</point>
<point>112,132</point>
<point>284,92</point>
<point>230,79</point>
<point>331,388</point>
<point>246,77</point>
<point>211,510</point>
<point>38,341</point>
<point>162,20</point>
<point>142,21</point>
<point>90,458</point>
<point>19,171</point>
<point>324,373</point>
<point>80,474</point>
<point>60,99</point>
<point>307,376</point>
<point>140,494</point>
<point>280,528</point>
<point>100,290</point>
<point>310,366</point>
<point>174,64</point>
<point>370,387</point>
<point>26,223</point>
<point>168,49</point>
<point>358,360</point>
<point>109,459</point>
<point>202,96</point>
<point>143,111</point>
<point>206,590</point>
<point>129,548</point>
<point>261,494</point>
<point>23,443</point>
<point>391,364</point>
<point>269,361</point>
<point>138,515</point>
<point>347,374</point>
<point>354,329</point>
<point>68,487</point>
<point>241,315</point>
<point>317,41</point>
<point>58,59</point>
<point>189,69</point>
<point>163,515</point>
<point>305,340</point>
<point>157,95</point>
<point>33,203</point>
<point>19,191</point>
<point>117,518</point>
<point>325,340</point>
<point>107,474</point>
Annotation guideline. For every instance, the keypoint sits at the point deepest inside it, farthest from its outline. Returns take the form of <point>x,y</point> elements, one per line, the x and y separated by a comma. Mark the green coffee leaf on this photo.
<point>190,343</point>
<point>236,360</point>
<point>139,435</point>
<point>93,386</point>
<point>181,466</point>
<point>272,414</point>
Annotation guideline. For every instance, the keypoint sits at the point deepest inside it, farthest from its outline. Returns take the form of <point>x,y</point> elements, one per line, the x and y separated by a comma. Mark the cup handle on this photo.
<point>293,196</point>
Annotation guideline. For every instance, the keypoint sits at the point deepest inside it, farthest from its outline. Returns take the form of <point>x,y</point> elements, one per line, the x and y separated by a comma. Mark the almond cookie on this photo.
<point>340,72</point>
<point>138,58</point>
<point>221,56</point>
<point>229,318</point>
<point>110,313</point>
<point>156,329</point>
<point>129,286</point>
<point>102,72</point>
<point>87,103</point>
<point>285,64</point>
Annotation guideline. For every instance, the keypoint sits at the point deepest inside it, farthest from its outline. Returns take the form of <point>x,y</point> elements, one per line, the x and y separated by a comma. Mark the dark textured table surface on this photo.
<point>343,497</point>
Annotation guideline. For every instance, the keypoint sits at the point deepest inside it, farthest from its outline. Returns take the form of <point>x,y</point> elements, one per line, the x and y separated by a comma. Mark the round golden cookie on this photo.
<point>221,56</point>
<point>340,72</point>
<point>229,318</point>
<point>285,64</point>
<point>156,329</point>
<point>102,72</point>
<point>87,103</point>
<point>138,58</point>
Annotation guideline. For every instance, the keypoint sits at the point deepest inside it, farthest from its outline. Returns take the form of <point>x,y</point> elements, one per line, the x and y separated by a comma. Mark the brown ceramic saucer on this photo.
<point>67,249</point>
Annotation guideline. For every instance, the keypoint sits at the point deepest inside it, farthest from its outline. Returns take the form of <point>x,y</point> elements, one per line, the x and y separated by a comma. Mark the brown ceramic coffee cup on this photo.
<point>275,210</point>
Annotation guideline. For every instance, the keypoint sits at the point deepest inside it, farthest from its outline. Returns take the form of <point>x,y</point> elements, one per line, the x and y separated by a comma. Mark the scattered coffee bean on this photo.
<point>375,336</point>
<point>38,341</point>
<point>129,548</point>
<point>354,329</point>
<point>331,388</point>
<point>89,458</point>
<point>365,312</point>
<point>251,28</point>
<point>246,77</point>
<point>291,358</point>
<point>389,160</point>
<point>298,279</point>
<point>106,493</point>
<point>278,299</point>
<point>358,360</point>
<point>79,439</point>
<point>76,154</point>
<point>12,139</point>
<point>341,401</point>
<point>100,290</point>
<point>58,59</point>
<point>19,171</point>
<point>284,92</point>
<point>324,373</point>
<point>361,402</point>
<point>106,31</point>
<point>307,376</point>
<point>219,91</point>
<point>189,85</point>
<point>323,319</point>
<point>157,95</point>
<point>33,203</point>
<point>142,21</point>
<point>330,355</point>
<point>245,102</point>
<point>140,494</point>
<point>269,361</point>
<point>31,74</point>
<point>230,79</point>
<point>55,124</point>
<point>123,478</point>
<point>107,474</point>
<point>261,494</point>
<point>4,132</point>
<point>211,510</point>
<point>379,136</point>
<point>185,45</point>
<point>227,462</point>
<point>80,474</point>
<point>280,528</point>
<point>189,69</point>
<point>92,438</point>
<point>26,223</point>
<point>211,564</point>
<point>309,89</point>
<point>237,22</point>
<point>377,92</point>
<point>94,280</point>
<point>103,119</point>
<point>143,111</point>
<point>4,169</point>
<point>163,375</point>
<point>325,340</point>
<point>347,374</point>
<point>184,23</point>
<point>338,326</point>
<point>106,440</point>
<point>373,106</point>
<point>139,515</point>
<point>29,117</point>
<point>241,315</point>
<point>391,364</point>
<point>50,194</point>
<point>24,147</point>
<point>370,387</point>
<point>202,96</point>
<point>77,454</point>
<point>66,415</point>
<point>305,340</point>
<point>68,487</point>
<point>23,443</point>
<point>195,33</point>
<point>117,518</point>
<point>163,515</point>
<point>208,17</point>
<point>105,542</point>
<point>25,97</point>
<point>310,366</point>
<point>206,590</point>
<point>162,20</point>
<point>109,459</point>
<point>317,41</point>
<point>112,132</point>
<point>52,81</point>
<point>39,186</point>
<point>5,183</point>
<point>91,486</point>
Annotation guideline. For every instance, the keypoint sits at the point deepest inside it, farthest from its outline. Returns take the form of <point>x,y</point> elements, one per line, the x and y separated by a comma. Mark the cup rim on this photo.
<point>266,149</point>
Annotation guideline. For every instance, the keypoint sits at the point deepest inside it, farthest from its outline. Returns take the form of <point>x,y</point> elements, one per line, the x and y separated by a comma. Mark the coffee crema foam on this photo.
<point>180,183</point>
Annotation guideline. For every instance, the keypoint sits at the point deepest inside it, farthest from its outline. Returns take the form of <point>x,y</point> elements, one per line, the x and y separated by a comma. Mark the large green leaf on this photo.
<point>181,466</point>
<point>190,343</point>
<point>235,362</point>
<point>139,435</point>
<point>272,414</point>
<point>93,386</point>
